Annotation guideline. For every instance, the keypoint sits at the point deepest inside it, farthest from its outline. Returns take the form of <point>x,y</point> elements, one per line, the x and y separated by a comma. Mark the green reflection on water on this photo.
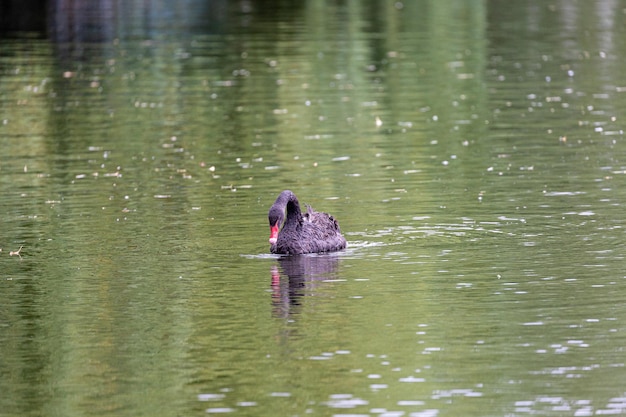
<point>472,154</point>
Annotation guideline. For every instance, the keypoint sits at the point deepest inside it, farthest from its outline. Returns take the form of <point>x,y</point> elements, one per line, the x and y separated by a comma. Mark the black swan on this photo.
<point>309,232</point>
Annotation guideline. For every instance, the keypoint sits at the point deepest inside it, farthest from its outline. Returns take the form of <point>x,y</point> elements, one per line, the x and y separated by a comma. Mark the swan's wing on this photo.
<point>318,232</point>
<point>323,220</point>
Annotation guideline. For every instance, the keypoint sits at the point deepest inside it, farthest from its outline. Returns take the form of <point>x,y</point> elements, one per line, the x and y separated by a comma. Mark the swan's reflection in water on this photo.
<point>297,276</point>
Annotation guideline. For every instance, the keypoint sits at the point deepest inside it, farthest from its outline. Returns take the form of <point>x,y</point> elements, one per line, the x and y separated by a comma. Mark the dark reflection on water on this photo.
<point>298,276</point>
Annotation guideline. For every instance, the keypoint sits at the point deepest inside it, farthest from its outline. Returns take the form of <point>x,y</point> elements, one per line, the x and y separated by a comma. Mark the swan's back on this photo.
<point>323,229</point>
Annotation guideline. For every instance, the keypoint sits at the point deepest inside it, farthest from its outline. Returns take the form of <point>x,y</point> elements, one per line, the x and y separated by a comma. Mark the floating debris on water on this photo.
<point>17,252</point>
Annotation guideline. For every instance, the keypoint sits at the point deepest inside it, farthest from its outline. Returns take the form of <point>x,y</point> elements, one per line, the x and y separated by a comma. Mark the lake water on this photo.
<point>474,155</point>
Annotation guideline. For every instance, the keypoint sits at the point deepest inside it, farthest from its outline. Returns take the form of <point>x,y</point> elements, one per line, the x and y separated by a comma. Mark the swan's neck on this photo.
<point>294,215</point>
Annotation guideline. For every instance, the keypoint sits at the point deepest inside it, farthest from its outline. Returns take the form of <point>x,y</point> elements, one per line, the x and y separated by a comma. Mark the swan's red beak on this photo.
<point>273,234</point>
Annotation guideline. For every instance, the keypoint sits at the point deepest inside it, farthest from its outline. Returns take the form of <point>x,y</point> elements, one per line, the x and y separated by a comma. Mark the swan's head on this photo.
<point>275,217</point>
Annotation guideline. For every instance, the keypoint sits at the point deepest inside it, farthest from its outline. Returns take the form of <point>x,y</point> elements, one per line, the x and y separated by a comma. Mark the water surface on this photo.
<point>473,154</point>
